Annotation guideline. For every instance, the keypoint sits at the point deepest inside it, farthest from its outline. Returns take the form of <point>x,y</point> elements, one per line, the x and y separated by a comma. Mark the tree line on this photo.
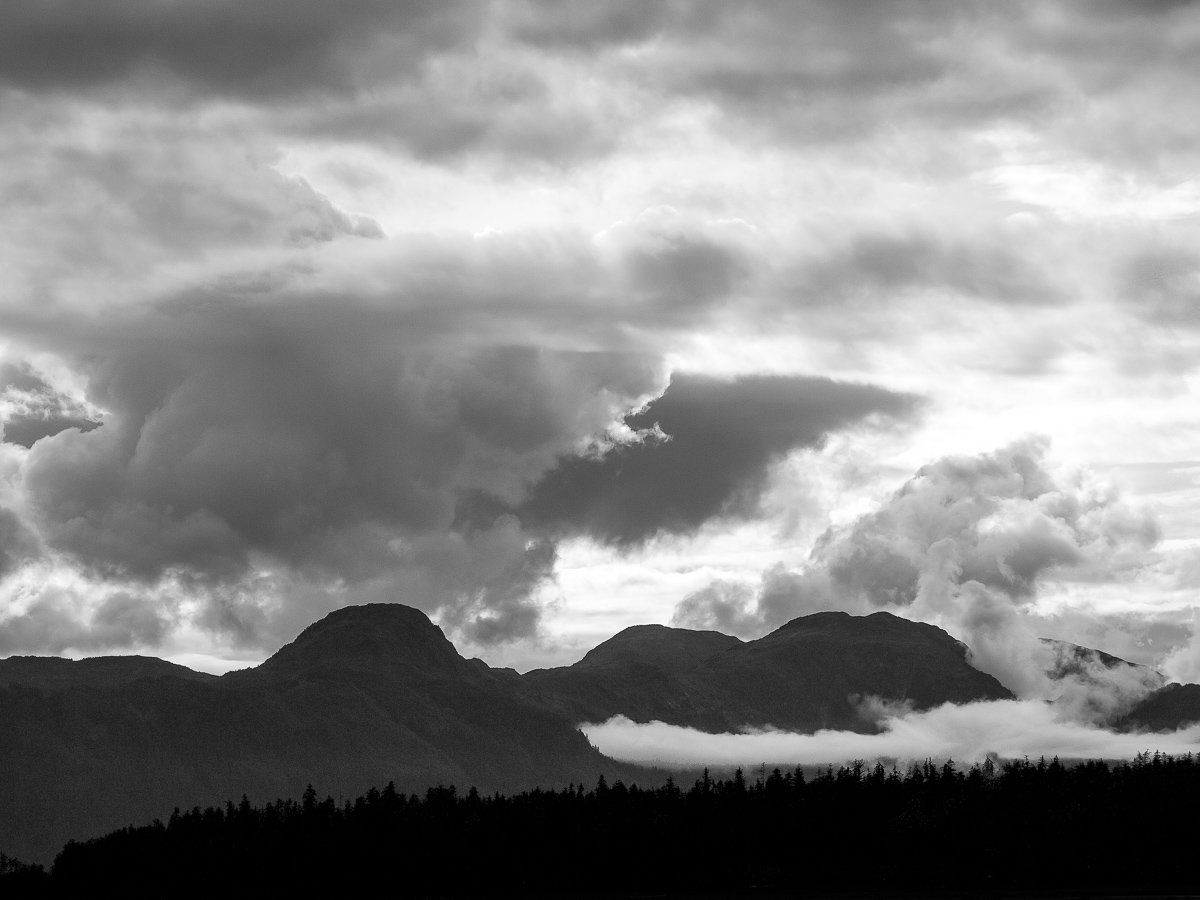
<point>1024,825</point>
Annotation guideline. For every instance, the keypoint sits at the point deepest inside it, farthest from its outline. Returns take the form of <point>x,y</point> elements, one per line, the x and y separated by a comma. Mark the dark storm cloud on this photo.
<point>880,266</point>
<point>366,62</point>
<point>790,68</point>
<point>590,26</point>
<point>325,439</point>
<point>288,429</point>
<point>262,48</point>
<point>446,81</point>
<point>278,440</point>
<point>513,112</point>
<point>31,409</point>
<point>827,71</point>
<point>718,439</point>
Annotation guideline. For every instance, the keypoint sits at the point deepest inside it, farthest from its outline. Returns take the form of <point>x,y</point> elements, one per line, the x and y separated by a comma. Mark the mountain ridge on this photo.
<point>377,693</point>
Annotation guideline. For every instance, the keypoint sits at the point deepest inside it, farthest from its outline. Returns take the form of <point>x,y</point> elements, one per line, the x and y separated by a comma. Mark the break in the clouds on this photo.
<point>551,318</point>
<point>32,409</point>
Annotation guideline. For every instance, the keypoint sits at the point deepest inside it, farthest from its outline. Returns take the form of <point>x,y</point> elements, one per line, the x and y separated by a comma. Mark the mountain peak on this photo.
<point>368,636</point>
<point>837,621</point>
<point>670,649</point>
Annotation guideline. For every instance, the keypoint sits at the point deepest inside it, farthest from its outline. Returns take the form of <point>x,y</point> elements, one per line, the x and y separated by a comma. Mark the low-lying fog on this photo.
<point>969,733</point>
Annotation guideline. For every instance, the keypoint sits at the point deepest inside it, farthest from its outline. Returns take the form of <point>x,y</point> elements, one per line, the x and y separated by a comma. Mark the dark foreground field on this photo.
<point>1027,829</point>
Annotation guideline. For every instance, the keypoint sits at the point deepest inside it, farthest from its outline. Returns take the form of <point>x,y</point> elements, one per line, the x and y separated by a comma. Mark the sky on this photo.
<point>554,318</point>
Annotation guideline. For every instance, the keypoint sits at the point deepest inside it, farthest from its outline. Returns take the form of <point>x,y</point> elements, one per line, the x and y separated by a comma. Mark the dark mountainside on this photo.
<point>805,676</point>
<point>373,694</point>
<point>52,673</point>
<point>1167,709</point>
<point>368,695</point>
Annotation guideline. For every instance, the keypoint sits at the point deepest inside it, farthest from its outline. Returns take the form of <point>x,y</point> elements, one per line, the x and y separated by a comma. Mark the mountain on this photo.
<point>1088,664</point>
<point>368,695</point>
<point>643,672</point>
<point>53,673</point>
<point>807,675</point>
<point>1167,709</point>
<point>372,694</point>
<point>674,650</point>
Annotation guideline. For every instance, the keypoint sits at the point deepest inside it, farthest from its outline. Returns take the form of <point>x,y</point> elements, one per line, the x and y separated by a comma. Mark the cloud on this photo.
<point>270,48</point>
<point>1183,663</point>
<point>154,205</point>
<point>827,72</point>
<point>964,545</point>
<point>1092,686</point>
<point>720,606</point>
<point>1010,729</point>
<point>268,414</point>
<point>876,267</point>
<point>31,409</point>
<point>242,432</point>
<point>300,410</point>
<point>529,81</point>
<point>57,620</point>
<point>705,450</point>
<point>432,79</point>
<point>1165,285</point>
<point>18,544</point>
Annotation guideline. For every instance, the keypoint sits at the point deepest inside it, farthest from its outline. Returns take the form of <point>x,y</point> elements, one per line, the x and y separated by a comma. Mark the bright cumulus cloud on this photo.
<point>1008,729</point>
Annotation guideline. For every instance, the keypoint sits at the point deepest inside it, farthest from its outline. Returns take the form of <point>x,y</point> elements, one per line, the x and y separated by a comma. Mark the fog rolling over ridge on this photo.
<point>1002,729</point>
<point>1097,705</point>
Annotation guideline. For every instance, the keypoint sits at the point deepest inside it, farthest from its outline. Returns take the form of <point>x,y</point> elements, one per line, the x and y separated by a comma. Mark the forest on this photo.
<point>989,830</point>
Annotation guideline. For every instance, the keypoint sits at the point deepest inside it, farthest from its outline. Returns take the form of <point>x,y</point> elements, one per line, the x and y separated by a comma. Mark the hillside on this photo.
<point>372,694</point>
<point>1167,709</point>
<point>369,694</point>
<point>805,676</point>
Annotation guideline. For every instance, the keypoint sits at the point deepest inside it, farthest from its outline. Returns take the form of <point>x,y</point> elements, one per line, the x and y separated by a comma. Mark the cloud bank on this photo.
<point>1009,729</point>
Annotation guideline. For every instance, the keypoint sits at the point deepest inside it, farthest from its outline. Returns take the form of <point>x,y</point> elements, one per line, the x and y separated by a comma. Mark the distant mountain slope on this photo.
<point>367,695</point>
<point>54,673</point>
<point>1084,662</point>
<point>376,693</point>
<point>1167,709</point>
<point>641,672</point>
<point>675,650</point>
<point>805,676</point>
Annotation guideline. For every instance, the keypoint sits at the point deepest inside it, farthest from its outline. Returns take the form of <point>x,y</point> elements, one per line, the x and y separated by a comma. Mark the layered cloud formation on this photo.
<point>551,318</point>
<point>1008,729</point>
